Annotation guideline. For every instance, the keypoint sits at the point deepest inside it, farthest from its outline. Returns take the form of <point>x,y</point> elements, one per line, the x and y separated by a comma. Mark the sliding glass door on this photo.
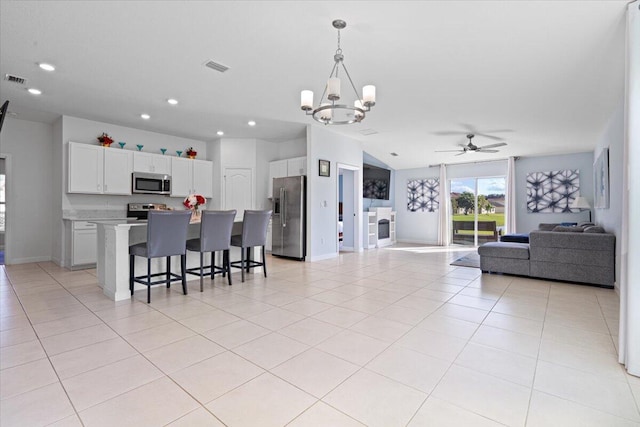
<point>477,210</point>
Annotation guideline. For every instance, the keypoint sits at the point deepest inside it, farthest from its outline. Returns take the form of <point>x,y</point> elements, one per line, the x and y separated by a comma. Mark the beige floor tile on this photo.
<point>409,316</point>
<point>434,295</point>
<point>213,377</point>
<point>498,363</point>
<point>332,297</point>
<point>180,354</point>
<point>613,397</point>
<point>270,350</point>
<point>449,326</point>
<point>198,418</point>
<point>158,336</point>
<point>210,320</point>
<point>123,310</point>
<point>307,307</point>
<point>441,346</point>
<point>380,328</point>
<point>139,322</point>
<point>514,324</point>
<point>461,312</point>
<point>522,344</point>
<point>19,320</point>
<point>265,400</point>
<point>340,316</point>
<point>27,409</point>
<point>353,347</point>
<point>72,421</point>
<point>521,309</point>
<point>364,305</point>
<point>276,319</point>
<point>546,410</point>
<point>96,386</point>
<point>438,413</point>
<point>248,309</point>
<point>375,400</point>
<point>153,404</point>
<point>67,341</point>
<point>57,313</point>
<point>322,414</point>
<point>93,356</point>
<point>235,334</point>
<point>20,354</point>
<point>315,371</point>
<point>66,324</point>
<point>26,377</point>
<point>189,309</point>
<point>409,367</point>
<point>310,331</point>
<point>581,358</point>
<point>579,337</point>
<point>17,336</point>
<point>496,399</point>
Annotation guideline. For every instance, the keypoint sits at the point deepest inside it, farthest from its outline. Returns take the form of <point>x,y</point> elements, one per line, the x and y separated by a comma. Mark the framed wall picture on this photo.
<point>601,180</point>
<point>324,168</point>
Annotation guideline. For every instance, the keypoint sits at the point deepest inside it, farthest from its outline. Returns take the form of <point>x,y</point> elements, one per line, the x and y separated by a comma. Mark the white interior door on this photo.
<point>238,190</point>
<point>351,219</point>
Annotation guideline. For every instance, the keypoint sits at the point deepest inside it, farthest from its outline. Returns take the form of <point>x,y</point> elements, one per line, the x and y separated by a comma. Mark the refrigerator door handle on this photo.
<point>284,207</point>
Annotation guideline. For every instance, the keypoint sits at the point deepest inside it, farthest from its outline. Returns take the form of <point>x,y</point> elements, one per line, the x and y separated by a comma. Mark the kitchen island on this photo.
<point>114,239</point>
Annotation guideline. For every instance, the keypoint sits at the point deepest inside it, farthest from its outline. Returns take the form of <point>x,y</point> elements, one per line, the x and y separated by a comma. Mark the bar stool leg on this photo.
<point>183,268</point>
<point>148,280</point>
<point>201,272</point>
<point>168,272</point>
<point>226,265</point>
<point>264,262</point>
<point>132,265</point>
<point>242,252</point>
<point>213,265</point>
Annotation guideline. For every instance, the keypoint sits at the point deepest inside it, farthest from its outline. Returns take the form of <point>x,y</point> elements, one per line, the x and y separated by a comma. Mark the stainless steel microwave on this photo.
<point>150,183</point>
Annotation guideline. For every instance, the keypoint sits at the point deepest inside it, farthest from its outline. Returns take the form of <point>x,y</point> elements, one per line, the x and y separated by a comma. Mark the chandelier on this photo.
<point>333,110</point>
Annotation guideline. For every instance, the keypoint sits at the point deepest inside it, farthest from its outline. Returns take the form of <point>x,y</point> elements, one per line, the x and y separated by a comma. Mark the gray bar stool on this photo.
<point>215,235</point>
<point>166,236</point>
<point>254,233</point>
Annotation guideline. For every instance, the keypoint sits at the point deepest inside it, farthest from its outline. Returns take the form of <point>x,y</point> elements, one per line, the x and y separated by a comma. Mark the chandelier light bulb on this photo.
<point>333,89</point>
<point>325,114</point>
<point>359,114</point>
<point>369,95</point>
<point>306,100</point>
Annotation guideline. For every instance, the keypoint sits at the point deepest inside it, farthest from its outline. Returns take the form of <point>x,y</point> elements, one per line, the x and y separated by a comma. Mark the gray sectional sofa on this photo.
<point>569,255</point>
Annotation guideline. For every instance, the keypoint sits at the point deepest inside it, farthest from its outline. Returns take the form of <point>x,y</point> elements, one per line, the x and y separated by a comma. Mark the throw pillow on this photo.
<point>594,229</point>
<point>563,228</point>
<point>586,224</point>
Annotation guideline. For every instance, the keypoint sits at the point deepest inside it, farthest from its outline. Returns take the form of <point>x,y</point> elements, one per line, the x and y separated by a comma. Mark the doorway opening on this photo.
<point>477,210</point>
<point>3,208</point>
<point>347,215</point>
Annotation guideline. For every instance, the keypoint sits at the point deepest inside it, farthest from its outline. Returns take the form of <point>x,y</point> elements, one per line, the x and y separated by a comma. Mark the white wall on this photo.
<point>525,221</point>
<point>29,148</point>
<point>322,218</point>
<point>613,139</point>
<point>414,227</point>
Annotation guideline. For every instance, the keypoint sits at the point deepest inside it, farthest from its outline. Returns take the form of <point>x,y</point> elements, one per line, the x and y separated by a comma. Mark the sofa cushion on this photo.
<point>594,229</point>
<point>517,238</point>
<point>568,229</point>
<point>546,226</point>
<point>505,250</point>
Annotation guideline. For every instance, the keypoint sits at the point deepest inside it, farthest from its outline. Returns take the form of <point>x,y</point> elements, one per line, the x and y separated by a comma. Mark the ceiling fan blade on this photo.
<point>449,132</point>
<point>448,151</point>
<point>461,153</point>
<point>482,150</point>
<point>499,144</point>
<point>484,135</point>
<point>499,131</point>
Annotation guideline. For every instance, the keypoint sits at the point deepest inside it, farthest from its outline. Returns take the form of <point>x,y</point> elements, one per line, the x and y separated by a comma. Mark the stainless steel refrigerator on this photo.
<point>289,213</point>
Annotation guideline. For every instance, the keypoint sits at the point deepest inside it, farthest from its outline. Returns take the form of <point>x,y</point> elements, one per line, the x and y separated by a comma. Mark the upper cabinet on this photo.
<point>151,163</point>
<point>287,167</point>
<point>98,170</point>
<point>190,176</point>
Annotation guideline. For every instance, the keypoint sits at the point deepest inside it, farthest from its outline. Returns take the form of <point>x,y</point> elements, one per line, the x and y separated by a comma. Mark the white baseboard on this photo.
<point>322,257</point>
<point>27,260</point>
<point>417,242</point>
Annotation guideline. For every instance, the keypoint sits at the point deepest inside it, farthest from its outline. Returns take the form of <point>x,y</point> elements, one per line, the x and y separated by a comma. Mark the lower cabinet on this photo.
<point>84,244</point>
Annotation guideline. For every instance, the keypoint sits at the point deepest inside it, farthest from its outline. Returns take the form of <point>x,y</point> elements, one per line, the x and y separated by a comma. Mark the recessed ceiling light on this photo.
<point>251,123</point>
<point>145,116</point>
<point>220,133</point>
<point>172,101</point>
<point>34,91</point>
<point>46,67</point>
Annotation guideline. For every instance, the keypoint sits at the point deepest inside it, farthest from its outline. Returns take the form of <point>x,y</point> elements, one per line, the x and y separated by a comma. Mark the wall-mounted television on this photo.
<point>376,182</point>
<point>3,112</point>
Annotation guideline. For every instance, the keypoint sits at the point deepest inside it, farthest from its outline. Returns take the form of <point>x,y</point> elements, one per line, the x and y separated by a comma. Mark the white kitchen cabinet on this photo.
<point>84,244</point>
<point>288,167</point>
<point>191,176</point>
<point>297,166</point>
<point>152,163</point>
<point>98,170</point>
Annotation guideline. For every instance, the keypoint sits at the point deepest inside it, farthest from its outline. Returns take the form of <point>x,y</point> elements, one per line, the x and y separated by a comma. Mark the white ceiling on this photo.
<point>550,73</point>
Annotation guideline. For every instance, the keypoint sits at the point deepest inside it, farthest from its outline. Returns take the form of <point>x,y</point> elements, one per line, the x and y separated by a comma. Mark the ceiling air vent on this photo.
<point>367,132</point>
<point>216,66</point>
<point>15,79</point>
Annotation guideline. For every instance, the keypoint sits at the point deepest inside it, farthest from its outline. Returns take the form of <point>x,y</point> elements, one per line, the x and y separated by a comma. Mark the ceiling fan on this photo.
<point>474,148</point>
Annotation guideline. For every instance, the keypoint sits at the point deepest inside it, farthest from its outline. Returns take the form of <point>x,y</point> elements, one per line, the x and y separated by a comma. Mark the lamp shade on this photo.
<point>580,203</point>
